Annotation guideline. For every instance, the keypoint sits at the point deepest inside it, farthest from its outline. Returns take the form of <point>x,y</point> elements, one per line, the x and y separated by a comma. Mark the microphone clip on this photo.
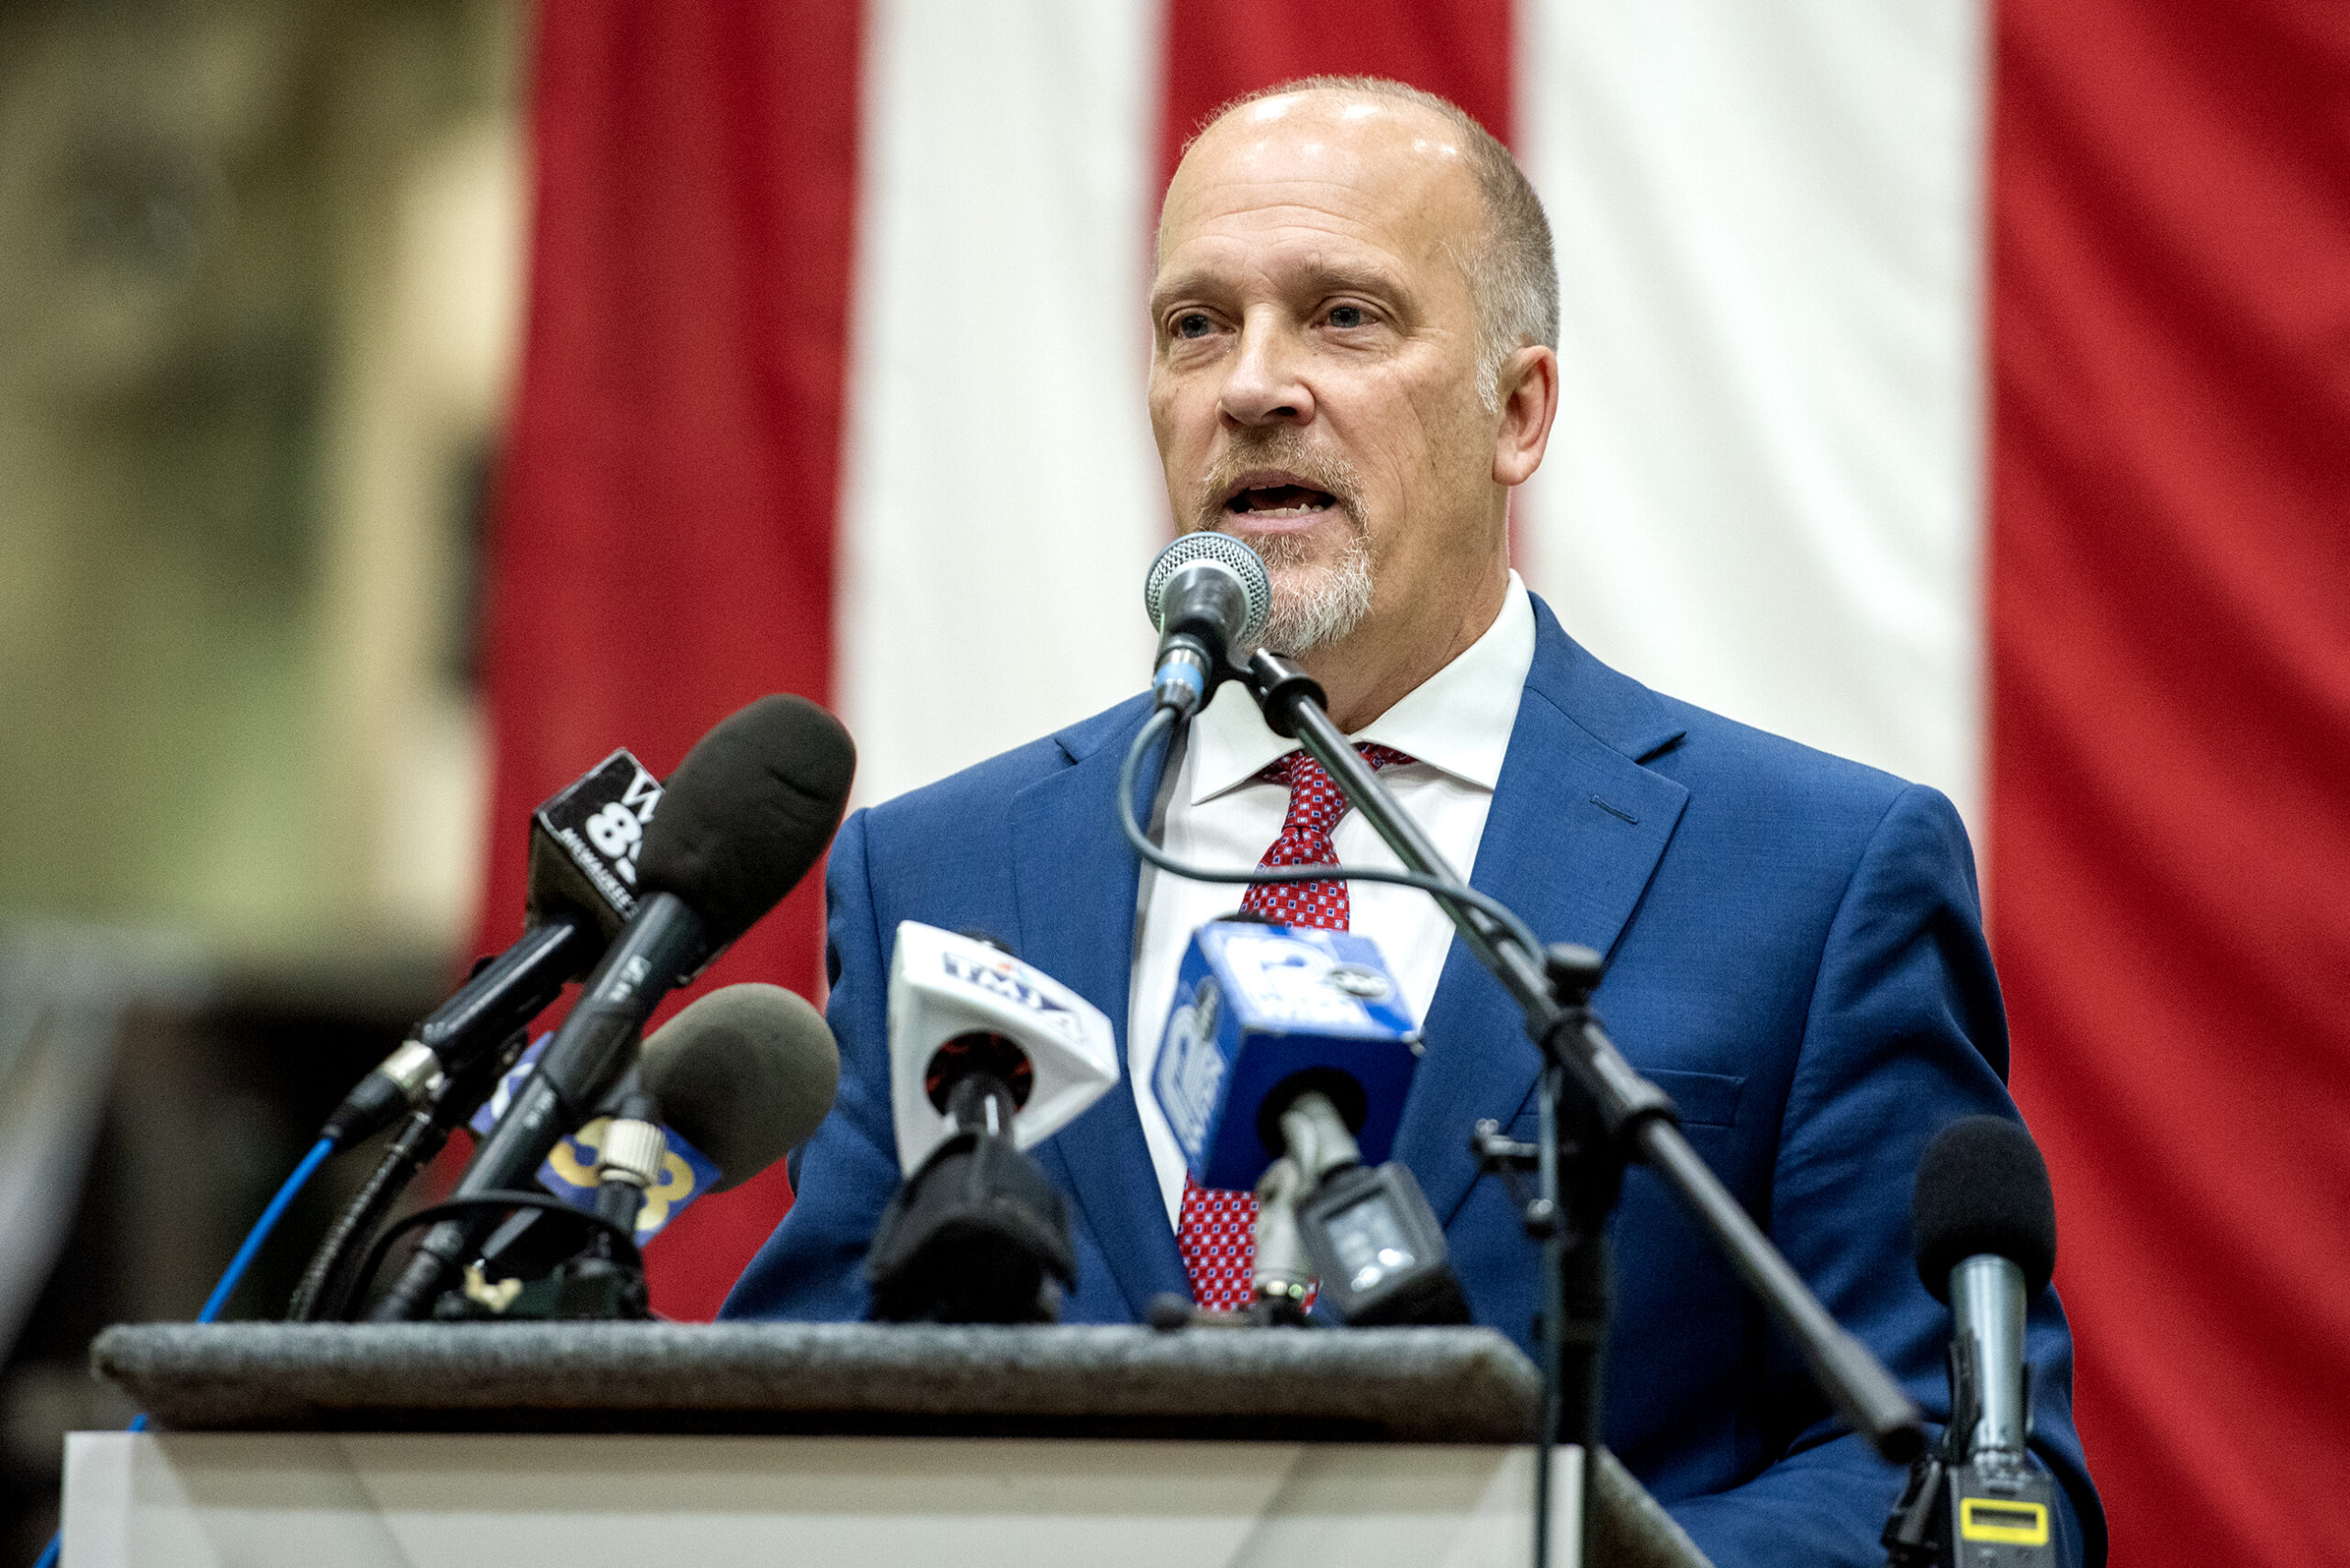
<point>1953,1514</point>
<point>1279,685</point>
<point>1498,1153</point>
<point>1989,1500</point>
<point>978,1234</point>
<point>591,1288</point>
<point>1365,1233</point>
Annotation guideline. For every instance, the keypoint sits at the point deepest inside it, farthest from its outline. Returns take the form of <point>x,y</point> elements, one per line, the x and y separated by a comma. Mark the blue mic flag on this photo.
<point>1261,1012</point>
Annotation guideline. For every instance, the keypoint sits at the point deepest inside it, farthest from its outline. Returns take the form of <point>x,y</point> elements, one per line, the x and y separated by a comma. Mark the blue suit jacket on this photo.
<point>1796,955</point>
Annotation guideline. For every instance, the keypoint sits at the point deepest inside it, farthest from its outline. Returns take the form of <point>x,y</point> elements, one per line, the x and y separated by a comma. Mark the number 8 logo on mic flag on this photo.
<point>569,1172</point>
<point>616,831</point>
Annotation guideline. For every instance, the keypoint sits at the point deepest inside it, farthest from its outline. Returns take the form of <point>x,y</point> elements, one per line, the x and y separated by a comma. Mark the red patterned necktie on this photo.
<point>1217,1232</point>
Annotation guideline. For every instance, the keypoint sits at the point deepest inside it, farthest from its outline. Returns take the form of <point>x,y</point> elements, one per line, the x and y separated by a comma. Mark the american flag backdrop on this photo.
<point>1963,385</point>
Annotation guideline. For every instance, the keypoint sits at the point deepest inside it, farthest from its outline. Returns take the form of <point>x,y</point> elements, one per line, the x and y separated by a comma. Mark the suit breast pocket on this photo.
<point>1703,1099</point>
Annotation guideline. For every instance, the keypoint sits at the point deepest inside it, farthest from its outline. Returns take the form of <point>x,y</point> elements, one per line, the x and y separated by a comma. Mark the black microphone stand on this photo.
<point>1596,1115</point>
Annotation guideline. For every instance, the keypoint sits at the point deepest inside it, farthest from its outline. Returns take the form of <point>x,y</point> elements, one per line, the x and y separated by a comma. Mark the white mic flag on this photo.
<point>951,995</point>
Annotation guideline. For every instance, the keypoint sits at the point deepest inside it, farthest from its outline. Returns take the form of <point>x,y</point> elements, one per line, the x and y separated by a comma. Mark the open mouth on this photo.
<point>1278,502</point>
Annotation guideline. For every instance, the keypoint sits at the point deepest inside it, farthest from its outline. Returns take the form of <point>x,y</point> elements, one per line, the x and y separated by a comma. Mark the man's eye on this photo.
<point>1194,324</point>
<point>1348,316</point>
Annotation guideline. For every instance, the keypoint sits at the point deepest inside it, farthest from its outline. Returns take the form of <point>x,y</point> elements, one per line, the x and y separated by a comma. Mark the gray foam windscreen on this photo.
<point>744,1075</point>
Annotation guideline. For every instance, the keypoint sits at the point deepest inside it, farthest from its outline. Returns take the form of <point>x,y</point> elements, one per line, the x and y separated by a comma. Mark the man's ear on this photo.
<point>1529,401</point>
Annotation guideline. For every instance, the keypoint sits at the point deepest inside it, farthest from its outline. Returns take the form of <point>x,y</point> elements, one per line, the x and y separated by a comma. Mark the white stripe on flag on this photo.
<point>1001,497</point>
<point>1763,491</point>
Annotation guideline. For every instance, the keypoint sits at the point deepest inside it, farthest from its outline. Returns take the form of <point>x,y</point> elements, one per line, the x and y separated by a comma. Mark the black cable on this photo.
<point>326,1285</point>
<point>320,1295</point>
<point>1164,720</point>
<point>628,1255</point>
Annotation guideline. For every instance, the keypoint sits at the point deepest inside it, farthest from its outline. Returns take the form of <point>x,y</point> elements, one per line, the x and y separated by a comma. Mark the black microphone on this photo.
<point>745,1074</point>
<point>583,873</point>
<point>1210,596</point>
<point>748,811</point>
<point>1984,1220</point>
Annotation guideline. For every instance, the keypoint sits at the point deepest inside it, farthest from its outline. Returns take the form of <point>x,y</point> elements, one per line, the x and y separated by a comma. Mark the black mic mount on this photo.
<point>326,1281</point>
<point>1596,1115</point>
<point>978,1234</point>
<point>1365,1236</point>
<point>1987,1508</point>
<point>558,1279</point>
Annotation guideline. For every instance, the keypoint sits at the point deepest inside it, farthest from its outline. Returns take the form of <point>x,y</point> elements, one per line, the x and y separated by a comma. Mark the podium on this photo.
<point>746,1444</point>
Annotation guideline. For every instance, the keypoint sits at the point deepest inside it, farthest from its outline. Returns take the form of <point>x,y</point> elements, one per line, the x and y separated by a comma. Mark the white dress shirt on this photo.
<point>1456,724</point>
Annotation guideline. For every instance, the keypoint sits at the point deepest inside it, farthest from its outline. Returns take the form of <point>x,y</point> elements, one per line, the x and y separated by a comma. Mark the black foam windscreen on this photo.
<point>747,813</point>
<point>1981,1187</point>
<point>744,1075</point>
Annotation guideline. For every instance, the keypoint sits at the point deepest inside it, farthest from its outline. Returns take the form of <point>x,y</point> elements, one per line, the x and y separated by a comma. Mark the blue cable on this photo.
<point>229,1281</point>
<point>262,1227</point>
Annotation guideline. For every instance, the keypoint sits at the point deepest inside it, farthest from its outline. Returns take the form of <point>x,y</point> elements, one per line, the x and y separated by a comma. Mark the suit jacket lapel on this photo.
<point>1576,828</point>
<point>1074,882</point>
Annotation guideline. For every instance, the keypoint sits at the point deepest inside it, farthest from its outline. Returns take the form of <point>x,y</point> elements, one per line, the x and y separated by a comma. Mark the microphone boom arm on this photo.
<point>1629,1108</point>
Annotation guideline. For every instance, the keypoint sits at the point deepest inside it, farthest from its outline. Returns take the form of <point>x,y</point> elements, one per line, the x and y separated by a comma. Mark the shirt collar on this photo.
<point>1458,720</point>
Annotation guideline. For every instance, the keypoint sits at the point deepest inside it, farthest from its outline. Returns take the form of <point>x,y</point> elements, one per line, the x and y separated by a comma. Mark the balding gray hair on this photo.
<point>1511,273</point>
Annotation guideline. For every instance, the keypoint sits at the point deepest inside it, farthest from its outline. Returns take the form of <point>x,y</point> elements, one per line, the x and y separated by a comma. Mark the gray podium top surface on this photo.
<point>1402,1385</point>
<point>1418,1385</point>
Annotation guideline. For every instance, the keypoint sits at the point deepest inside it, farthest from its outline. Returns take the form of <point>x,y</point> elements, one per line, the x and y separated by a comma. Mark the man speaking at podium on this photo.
<point>1354,317</point>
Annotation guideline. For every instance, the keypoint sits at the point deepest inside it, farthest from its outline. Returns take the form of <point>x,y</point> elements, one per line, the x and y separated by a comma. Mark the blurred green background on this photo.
<point>261,265</point>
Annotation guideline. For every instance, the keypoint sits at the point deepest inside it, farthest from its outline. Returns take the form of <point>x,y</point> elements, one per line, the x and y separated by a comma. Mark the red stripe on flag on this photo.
<point>664,543</point>
<point>2170,602</point>
<point>1217,50</point>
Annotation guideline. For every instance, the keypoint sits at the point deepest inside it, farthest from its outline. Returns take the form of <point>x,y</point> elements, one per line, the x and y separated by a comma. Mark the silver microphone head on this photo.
<point>1212,552</point>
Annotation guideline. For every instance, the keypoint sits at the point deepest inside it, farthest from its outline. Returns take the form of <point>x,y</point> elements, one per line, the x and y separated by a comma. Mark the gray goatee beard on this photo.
<point>1315,604</point>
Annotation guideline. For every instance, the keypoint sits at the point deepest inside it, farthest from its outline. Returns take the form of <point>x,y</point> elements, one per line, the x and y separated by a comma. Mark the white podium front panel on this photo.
<point>420,1500</point>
